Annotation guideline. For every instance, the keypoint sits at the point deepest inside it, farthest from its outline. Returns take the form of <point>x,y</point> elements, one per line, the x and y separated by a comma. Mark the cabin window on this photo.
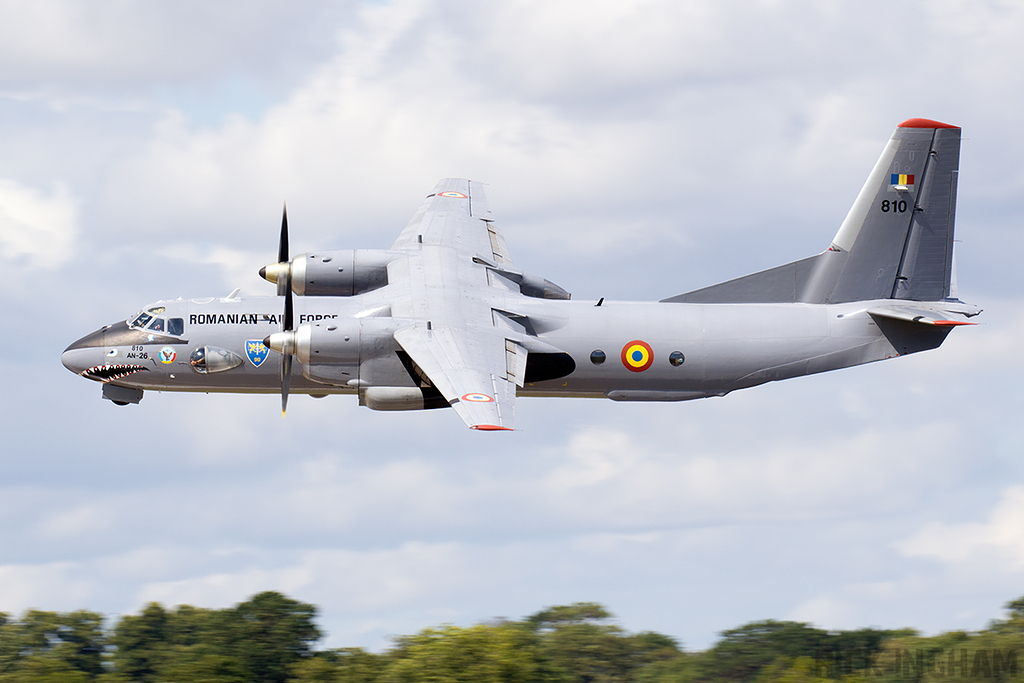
<point>197,360</point>
<point>210,359</point>
<point>597,357</point>
<point>676,358</point>
<point>176,326</point>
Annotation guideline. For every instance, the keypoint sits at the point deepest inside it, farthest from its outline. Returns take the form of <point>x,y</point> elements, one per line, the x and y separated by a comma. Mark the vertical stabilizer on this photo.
<point>896,242</point>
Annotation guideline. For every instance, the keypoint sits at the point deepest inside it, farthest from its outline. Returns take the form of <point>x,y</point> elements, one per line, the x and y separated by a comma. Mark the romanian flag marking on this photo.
<point>637,355</point>
<point>901,179</point>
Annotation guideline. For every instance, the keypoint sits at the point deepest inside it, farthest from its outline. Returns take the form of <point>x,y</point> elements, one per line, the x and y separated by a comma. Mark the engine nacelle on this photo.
<point>334,341</point>
<point>533,285</point>
<point>342,272</point>
<point>542,288</point>
<point>331,351</point>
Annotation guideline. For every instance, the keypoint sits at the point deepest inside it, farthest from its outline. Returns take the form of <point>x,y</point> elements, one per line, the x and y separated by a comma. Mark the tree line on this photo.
<point>272,638</point>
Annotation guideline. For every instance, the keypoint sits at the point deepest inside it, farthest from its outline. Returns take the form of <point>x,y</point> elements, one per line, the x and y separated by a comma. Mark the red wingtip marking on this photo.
<point>492,428</point>
<point>951,323</point>
<point>924,123</point>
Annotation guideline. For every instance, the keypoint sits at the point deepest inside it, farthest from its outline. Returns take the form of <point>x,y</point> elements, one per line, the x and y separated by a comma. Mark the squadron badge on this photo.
<point>256,352</point>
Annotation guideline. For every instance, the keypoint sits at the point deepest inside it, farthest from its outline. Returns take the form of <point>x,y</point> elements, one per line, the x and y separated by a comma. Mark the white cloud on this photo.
<point>28,586</point>
<point>122,43</point>
<point>995,544</point>
<point>37,230</point>
<point>678,479</point>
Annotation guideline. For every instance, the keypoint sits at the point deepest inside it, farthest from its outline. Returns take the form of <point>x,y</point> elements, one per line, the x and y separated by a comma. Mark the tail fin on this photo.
<point>896,242</point>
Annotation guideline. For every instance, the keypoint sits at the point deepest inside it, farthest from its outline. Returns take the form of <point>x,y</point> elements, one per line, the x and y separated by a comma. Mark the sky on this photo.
<point>631,150</point>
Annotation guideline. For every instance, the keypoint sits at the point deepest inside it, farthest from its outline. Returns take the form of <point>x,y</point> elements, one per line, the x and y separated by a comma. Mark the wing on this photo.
<point>455,214</point>
<point>444,288</point>
<point>469,370</point>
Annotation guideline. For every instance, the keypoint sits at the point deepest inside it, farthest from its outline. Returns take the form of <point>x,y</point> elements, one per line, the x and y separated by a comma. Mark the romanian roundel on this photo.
<point>637,355</point>
<point>457,195</point>
<point>477,398</point>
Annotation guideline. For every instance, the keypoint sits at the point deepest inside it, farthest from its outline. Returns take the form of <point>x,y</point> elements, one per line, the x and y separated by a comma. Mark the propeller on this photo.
<point>280,272</point>
<point>284,341</point>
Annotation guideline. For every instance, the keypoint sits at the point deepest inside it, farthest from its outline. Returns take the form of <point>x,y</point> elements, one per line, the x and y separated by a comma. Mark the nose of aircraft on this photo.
<point>86,353</point>
<point>77,360</point>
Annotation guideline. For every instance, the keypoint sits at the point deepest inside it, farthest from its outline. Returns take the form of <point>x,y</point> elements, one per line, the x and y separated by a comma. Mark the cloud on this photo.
<point>997,541</point>
<point>24,586</point>
<point>37,230</point>
<point>124,44</point>
<point>680,480</point>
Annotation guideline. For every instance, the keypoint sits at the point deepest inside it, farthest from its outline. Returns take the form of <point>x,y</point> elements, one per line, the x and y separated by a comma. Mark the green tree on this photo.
<point>794,670</point>
<point>563,615</point>
<point>11,645</point>
<point>682,667</point>
<point>577,644</point>
<point>141,643</point>
<point>203,667</point>
<point>320,670</point>
<point>82,641</point>
<point>348,665</point>
<point>505,653</point>
<point>269,633</point>
<point>40,668</point>
<point>43,645</point>
<point>742,652</point>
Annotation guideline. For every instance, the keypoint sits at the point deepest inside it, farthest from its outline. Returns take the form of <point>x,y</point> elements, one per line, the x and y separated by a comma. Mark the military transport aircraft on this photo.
<point>443,318</point>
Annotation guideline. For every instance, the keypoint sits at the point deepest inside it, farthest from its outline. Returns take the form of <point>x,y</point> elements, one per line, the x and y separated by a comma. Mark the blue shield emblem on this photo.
<point>256,352</point>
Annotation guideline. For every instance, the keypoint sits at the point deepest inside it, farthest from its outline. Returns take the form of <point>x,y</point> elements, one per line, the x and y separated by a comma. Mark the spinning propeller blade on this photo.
<point>284,341</point>
<point>283,257</point>
<point>286,361</point>
<point>280,272</point>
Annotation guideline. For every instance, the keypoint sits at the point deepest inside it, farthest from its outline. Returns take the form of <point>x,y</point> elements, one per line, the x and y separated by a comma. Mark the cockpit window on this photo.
<point>151,320</point>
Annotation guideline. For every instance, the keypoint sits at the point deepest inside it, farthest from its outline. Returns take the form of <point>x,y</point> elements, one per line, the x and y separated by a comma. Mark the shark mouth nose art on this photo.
<point>108,373</point>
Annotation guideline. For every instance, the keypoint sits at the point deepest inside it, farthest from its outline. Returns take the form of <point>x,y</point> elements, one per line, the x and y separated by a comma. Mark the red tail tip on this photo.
<point>925,123</point>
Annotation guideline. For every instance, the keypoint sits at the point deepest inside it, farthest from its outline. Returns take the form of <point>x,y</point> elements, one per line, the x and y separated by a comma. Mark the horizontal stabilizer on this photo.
<point>925,316</point>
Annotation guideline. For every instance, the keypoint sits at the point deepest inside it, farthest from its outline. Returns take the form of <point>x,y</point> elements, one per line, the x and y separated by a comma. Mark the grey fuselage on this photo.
<point>723,346</point>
